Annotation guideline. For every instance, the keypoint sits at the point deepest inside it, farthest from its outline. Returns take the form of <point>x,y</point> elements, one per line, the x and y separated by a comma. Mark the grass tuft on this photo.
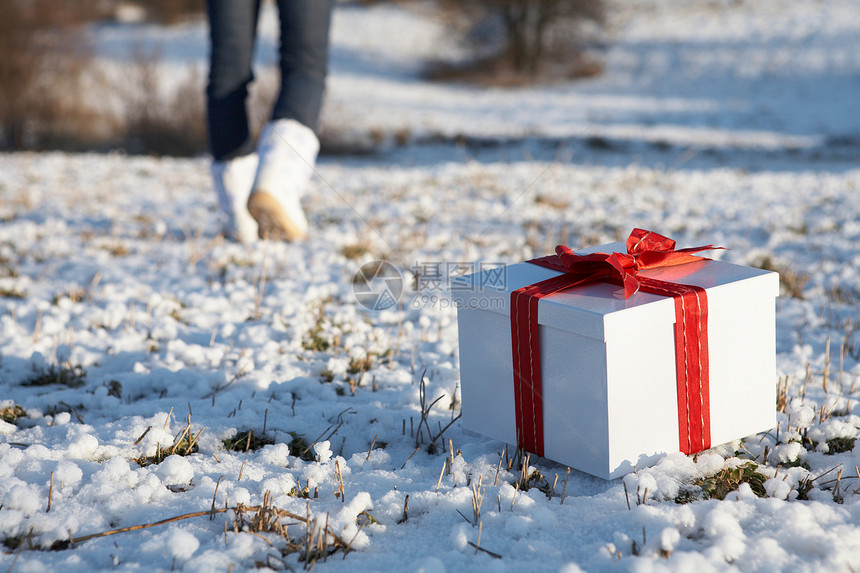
<point>803,489</point>
<point>12,293</point>
<point>11,414</point>
<point>725,481</point>
<point>300,448</point>
<point>304,492</point>
<point>184,444</point>
<point>318,542</point>
<point>185,447</point>
<point>354,251</point>
<point>71,376</point>
<point>360,365</point>
<point>247,441</point>
<point>535,479</point>
<point>366,518</point>
<point>839,445</point>
<point>12,543</point>
<point>315,340</point>
<point>792,281</point>
<point>115,389</point>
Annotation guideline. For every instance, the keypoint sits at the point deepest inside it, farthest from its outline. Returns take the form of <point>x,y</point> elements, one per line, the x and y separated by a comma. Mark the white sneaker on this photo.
<point>233,181</point>
<point>288,152</point>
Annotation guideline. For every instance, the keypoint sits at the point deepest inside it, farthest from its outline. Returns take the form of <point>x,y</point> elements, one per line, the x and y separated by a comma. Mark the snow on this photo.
<point>181,544</point>
<point>731,123</point>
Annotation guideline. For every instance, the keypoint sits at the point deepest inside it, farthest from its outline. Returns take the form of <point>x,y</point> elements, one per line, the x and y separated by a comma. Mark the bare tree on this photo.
<point>526,23</point>
<point>527,27</point>
<point>33,34</point>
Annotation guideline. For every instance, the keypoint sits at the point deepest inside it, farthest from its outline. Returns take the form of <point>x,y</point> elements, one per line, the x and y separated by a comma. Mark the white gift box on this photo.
<point>609,389</point>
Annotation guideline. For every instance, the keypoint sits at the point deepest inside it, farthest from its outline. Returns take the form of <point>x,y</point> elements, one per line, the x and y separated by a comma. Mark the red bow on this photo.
<point>645,250</point>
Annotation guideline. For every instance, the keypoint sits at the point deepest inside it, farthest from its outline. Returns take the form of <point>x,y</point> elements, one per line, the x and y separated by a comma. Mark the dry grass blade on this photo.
<point>51,493</point>
<point>72,541</point>
<point>441,473</point>
<point>214,497</point>
<point>442,431</point>
<point>487,551</point>
<point>143,435</point>
<point>318,541</point>
<point>184,444</point>
<point>192,442</point>
<point>564,489</point>
<point>410,457</point>
<point>349,545</point>
<point>340,491</point>
<point>370,451</point>
<point>307,450</point>
<point>405,517</point>
<point>477,499</point>
<point>626,495</point>
<point>425,412</point>
<point>178,440</point>
<point>73,411</point>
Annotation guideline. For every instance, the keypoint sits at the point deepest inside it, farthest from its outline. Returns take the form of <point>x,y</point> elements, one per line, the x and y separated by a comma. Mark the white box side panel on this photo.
<point>643,398</point>
<point>742,349</point>
<point>573,369</point>
<point>486,376</point>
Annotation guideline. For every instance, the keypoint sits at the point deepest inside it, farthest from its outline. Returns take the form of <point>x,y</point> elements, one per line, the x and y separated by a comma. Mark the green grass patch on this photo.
<point>314,340</point>
<point>839,445</point>
<point>725,481</point>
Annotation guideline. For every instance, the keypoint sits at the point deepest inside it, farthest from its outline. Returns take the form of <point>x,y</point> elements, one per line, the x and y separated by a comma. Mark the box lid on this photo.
<point>599,310</point>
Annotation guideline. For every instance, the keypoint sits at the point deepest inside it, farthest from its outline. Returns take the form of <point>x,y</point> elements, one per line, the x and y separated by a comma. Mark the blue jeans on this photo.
<point>304,58</point>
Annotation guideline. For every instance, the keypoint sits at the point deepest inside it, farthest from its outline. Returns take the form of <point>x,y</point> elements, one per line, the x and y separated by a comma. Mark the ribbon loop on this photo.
<point>641,241</point>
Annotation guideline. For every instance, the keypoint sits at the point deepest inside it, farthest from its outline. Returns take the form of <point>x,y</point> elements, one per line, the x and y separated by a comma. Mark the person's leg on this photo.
<point>232,27</point>
<point>304,59</point>
<point>232,31</point>
<point>288,146</point>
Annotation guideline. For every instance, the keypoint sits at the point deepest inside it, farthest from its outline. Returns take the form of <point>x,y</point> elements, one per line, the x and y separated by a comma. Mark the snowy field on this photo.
<point>127,325</point>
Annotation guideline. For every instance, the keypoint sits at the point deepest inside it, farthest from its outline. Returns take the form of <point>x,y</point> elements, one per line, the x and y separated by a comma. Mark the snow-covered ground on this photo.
<point>731,123</point>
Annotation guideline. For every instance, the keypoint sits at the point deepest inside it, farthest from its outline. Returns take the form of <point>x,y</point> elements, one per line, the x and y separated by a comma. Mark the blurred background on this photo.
<point>60,87</point>
<point>130,75</point>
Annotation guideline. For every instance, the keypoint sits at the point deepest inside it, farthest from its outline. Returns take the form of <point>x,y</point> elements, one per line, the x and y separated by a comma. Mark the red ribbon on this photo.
<point>645,250</point>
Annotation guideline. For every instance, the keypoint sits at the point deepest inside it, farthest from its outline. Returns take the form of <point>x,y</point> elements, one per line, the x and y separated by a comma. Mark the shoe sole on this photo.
<point>273,221</point>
